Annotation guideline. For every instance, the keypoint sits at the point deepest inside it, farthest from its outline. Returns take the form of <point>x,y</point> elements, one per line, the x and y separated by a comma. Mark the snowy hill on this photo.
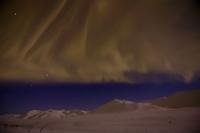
<point>117,105</point>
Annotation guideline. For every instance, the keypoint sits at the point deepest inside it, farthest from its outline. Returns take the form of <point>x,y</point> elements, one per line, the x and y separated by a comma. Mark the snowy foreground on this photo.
<point>153,121</point>
<point>143,120</point>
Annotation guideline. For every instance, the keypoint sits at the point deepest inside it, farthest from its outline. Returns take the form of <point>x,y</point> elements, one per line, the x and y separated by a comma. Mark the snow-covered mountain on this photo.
<point>117,105</point>
<point>53,114</point>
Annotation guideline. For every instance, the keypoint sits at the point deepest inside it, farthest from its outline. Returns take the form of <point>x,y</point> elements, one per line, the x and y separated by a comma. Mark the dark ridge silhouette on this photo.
<point>180,99</point>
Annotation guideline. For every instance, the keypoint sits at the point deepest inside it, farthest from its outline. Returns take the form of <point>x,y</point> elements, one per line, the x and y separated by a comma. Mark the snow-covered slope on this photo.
<point>53,114</point>
<point>117,105</point>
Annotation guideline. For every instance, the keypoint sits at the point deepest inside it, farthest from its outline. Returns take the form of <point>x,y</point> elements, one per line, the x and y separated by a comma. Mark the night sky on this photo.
<point>81,53</point>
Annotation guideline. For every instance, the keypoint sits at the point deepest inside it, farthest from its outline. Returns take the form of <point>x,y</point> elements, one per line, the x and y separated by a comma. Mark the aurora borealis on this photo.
<point>98,40</point>
<point>82,53</point>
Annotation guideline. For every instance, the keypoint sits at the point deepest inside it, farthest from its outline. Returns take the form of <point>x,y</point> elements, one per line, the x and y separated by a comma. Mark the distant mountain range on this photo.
<point>177,100</point>
<point>47,114</point>
<point>58,114</point>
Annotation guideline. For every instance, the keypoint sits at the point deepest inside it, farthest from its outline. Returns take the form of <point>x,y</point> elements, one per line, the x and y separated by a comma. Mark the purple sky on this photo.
<point>22,97</point>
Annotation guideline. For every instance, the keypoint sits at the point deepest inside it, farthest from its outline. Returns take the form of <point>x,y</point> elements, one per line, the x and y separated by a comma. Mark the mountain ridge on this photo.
<point>179,99</point>
<point>117,106</point>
